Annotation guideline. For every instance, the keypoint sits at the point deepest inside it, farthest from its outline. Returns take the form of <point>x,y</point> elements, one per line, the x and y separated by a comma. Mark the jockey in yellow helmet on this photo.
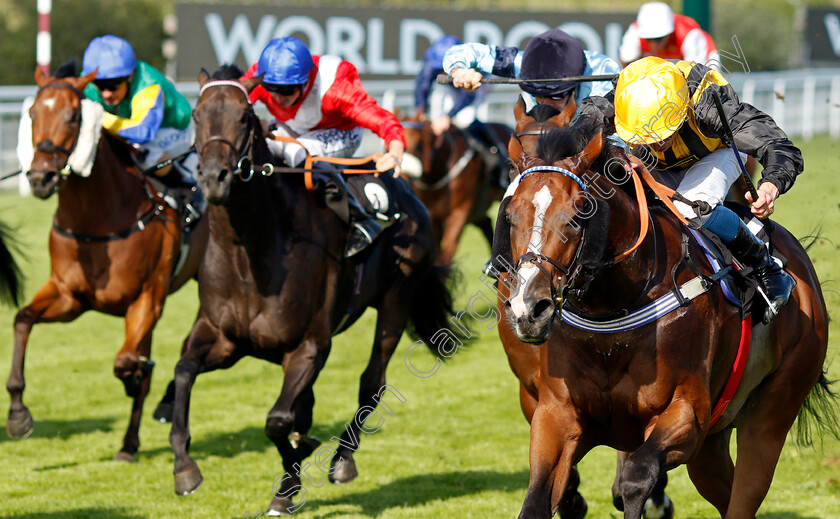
<point>665,109</point>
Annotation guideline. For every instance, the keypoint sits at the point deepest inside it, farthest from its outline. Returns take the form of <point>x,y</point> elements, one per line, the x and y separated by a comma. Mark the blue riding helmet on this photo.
<point>434,54</point>
<point>285,61</point>
<point>111,57</point>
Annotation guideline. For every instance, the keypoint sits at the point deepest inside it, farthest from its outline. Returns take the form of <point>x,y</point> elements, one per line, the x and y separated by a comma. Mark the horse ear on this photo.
<point>519,108</point>
<point>203,77</point>
<point>83,81</point>
<point>252,83</point>
<point>40,77</point>
<point>585,158</point>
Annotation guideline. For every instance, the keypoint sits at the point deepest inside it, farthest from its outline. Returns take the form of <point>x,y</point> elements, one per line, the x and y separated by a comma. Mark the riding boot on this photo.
<point>493,153</point>
<point>501,255</point>
<point>363,227</point>
<point>777,283</point>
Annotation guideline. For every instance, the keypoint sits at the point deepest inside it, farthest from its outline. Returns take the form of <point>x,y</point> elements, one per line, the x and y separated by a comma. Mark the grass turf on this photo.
<point>457,447</point>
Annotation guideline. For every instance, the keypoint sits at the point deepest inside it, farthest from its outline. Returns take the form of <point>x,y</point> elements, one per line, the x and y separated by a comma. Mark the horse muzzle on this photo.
<point>215,180</point>
<point>530,309</point>
<point>44,182</point>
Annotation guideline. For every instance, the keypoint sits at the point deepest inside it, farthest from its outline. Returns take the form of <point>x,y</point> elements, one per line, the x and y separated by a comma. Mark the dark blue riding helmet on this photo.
<point>110,56</point>
<point>553,54</point>
<point>285,61</point>
<point>434,54</point>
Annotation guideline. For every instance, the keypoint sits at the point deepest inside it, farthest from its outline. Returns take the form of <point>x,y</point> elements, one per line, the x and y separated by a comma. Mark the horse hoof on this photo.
<point>163,412</point>
<point>574,507</point>
<point>19,428</point>
<point>665,510</point>
<point>188,481</point>
<point>124,456</point>
<point>344,471</point>
<point>280,506</point>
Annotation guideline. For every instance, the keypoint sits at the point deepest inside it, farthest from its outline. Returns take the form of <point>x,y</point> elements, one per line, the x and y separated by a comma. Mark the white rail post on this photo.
<point>808,97</point>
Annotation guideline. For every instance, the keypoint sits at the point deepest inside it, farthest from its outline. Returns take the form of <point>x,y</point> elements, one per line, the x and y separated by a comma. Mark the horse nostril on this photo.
<point>222,174</point>
<point>541,307</point>
<point>48,177</point>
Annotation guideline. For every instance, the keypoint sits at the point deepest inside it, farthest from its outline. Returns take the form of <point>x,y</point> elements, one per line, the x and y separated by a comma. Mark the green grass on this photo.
<point>458,446</point>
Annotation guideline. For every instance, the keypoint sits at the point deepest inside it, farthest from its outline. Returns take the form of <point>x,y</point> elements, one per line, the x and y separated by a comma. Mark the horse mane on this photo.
<point>543,113</point>
<point>228,71</point>
<point>560,143</point>
<point>67,69</point>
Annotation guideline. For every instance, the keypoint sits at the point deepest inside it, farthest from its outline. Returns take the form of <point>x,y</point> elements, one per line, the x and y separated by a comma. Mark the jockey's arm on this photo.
<point>146,117</point>
<point>467,62</point>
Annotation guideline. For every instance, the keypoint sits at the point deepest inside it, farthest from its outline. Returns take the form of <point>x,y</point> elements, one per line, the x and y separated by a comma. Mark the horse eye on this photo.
<point>76,117</point>
<point>244,119</point>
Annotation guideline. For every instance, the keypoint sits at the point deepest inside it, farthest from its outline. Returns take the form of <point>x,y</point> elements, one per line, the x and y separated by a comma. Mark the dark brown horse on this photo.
<point>457,185</point>
<point>649,390</point>
<point>11,278</point>
<point>275,285</point>
<point>114,246</point>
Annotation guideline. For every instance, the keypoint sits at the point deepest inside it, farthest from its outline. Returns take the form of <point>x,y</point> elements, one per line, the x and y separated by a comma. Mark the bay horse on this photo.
<point>275,285</point>
<point>648,390</point>
<point>11,278</point>
<point>114,245</point>
<point>456,184</point>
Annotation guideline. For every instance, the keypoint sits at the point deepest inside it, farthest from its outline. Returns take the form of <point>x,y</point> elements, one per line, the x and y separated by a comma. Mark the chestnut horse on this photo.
<point>456,185</point>
<point>275,284</point>
<point>649,390</point>
<point>114,245</point>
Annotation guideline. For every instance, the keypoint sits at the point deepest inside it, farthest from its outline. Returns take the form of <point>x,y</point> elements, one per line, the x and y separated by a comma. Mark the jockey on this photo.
<point>552,54</point>
<point>142,107</point>
<point>666,110</point>
<point>460,105</point>
<point>657,31</point>
<point>320,101</point>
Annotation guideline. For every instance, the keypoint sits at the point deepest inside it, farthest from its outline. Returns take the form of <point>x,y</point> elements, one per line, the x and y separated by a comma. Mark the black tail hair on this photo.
<point>431,307</point>
<point>11,278</point>
<point>820,410</point>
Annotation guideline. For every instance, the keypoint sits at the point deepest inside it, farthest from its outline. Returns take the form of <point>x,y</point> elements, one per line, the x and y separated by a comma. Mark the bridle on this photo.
<point>244,151</point>
<point>47,146</point>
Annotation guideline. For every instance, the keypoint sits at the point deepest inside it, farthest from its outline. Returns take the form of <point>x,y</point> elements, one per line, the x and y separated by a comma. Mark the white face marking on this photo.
<point>541,202</point>
<point>49,103</point>
<point>517,302</point>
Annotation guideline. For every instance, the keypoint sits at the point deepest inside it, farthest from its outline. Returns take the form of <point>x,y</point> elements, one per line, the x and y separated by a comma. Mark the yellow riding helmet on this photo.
<point>651,101</point>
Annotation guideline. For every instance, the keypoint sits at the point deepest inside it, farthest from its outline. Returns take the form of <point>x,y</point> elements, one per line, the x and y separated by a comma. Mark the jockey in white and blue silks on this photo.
<point>553,54</point>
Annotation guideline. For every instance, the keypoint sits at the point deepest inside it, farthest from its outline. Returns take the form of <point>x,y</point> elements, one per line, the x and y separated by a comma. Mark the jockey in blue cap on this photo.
<point>320,101</point>
<point>141,106</point>
<point>460,105</point>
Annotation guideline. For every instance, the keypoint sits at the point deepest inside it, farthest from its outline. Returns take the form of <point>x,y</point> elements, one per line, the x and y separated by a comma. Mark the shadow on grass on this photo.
<point>231,444</point>
<point>82,513</point>
<point>419,490</point>
<point>57,429</point>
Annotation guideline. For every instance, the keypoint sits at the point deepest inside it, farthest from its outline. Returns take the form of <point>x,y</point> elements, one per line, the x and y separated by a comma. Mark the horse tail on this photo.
<point>820,410</point>
<point>431,307</point>
<point>11,278</point>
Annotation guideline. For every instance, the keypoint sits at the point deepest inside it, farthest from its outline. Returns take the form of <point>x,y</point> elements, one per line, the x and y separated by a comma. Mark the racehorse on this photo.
<point>275,285</point>
<point>114,245</point>
<point>456,184</point>
<point>648,389</point>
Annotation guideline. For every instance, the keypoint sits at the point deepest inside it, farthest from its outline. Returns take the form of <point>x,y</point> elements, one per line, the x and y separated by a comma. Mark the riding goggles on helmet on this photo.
<point>283,90</point>
<point>110,85</point>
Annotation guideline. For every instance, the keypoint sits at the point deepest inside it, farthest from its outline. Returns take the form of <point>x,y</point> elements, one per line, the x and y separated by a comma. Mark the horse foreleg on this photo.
<point>390,322</point>
<point>207,349</point>
<point>49,304</point>
<point>555,435</point>
<point>452,230</point>
<point>163,411</point>
<point>673,441</point>
<point>302,367</point>
<point>712,470</point>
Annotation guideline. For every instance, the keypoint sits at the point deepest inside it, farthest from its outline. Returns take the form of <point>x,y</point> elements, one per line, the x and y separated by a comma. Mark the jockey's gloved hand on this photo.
<point>392,159</point>
<point>441,124</point>
<point>466,78</point>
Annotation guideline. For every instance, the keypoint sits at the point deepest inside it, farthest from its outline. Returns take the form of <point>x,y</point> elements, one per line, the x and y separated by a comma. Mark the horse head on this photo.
<point>558,228</point>
<point>531,124</point>
<point>226,130</point>
<point>56,115</point>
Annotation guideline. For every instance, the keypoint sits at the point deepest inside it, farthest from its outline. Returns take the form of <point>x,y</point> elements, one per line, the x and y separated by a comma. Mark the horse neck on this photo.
<point>111,196</point>
<point>621,284</point>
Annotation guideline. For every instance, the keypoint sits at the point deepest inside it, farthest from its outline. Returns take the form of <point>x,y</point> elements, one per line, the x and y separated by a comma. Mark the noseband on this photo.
<point>245,162</point>
<point>47,145</point>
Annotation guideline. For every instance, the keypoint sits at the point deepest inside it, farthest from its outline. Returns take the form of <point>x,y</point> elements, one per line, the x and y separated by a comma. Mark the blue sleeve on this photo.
<point>596,64</point>
<point>423,86</point>
<point>463,100</point>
